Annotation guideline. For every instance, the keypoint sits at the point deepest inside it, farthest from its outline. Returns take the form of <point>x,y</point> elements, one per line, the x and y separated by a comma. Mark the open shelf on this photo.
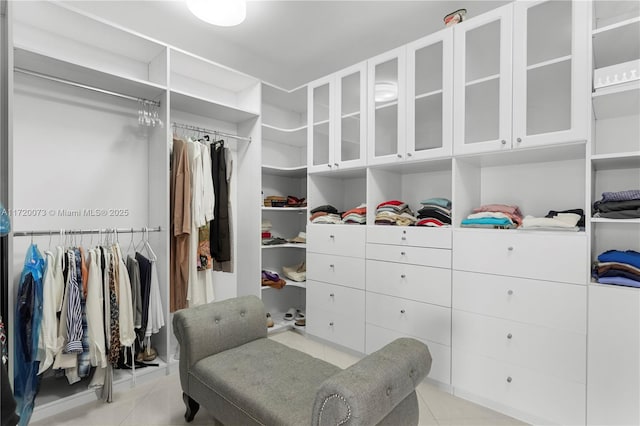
<point>616,101</point>
<point>295,172</point>
<point>627,160</point>
<point>616,43</point>
<point>288,245</point>
<point>198,105</point>
<point>290,283</point>
<point>296,136</point>
<point>620,221</point>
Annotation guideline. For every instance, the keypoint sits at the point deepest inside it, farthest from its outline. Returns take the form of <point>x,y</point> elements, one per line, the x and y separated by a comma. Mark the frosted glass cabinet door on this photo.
<point>386,107</point>
<point>319,110</point>
<point>350,119</point>
<point>482,81</point>
<point>430,96</point>
<point>550,72</point>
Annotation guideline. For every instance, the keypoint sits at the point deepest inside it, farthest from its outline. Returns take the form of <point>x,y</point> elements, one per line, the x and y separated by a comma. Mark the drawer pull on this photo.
<point>399,155</point>
<point>402,311</point>
<point>409,154</point>
<point>332,236</point>
<point>510,292</point>
<point>404,231</point>
<point>403,253</point>
<point>509,336</point>
<point>329,165</point>
<point>509,379</point>
<point>503,142</point>
<point>519,140</point>
<point>331,324</point>
<point>510,248</point>
<point>332,266</point>
<point>332,295</point>
<point>403,276</point>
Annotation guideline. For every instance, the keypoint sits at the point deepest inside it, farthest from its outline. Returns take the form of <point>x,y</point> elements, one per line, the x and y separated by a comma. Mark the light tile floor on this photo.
<point>159,402</point>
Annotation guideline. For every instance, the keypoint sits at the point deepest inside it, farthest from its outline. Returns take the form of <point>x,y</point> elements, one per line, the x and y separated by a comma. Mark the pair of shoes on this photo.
<point>148,354</point>
<point>301,322</point>
<point>296,272</point>
<point>272,279</point>
<point>295,201</point>
<point>269,320</point>
<point>300,238</point>
<point>294,313</point>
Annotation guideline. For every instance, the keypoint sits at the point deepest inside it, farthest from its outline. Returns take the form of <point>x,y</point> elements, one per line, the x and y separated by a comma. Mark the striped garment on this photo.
<point>84,361</point>
<point>631,194</point>
<point>74,310</point>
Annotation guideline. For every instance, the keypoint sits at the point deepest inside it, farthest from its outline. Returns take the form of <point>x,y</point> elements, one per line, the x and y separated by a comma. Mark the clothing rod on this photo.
<point>214,132</point>
<point>85,231</point>
<point>84,86</point>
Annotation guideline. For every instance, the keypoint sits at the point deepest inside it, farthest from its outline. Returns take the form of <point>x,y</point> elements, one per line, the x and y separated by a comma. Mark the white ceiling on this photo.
<point>288,43</point>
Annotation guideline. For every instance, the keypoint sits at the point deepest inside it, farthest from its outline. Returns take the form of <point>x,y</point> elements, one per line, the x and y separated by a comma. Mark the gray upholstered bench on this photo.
<point>228,365</point>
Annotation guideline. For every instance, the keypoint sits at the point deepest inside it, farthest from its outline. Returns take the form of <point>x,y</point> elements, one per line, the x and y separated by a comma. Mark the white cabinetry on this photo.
<point>335,284</point>
<point>506,350</point>
<point>338,120</point>
<point>613,375</point>
<point>284,173</point>
<point>520,77</point>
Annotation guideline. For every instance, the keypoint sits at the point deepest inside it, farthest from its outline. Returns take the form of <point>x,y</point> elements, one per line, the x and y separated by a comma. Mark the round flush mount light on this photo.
<point>224,13</point>
<point>386,91</point>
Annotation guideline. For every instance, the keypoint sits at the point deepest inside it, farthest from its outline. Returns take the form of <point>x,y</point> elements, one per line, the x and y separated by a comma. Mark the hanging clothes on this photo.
<point>49,328</point>
<point>156,315</point>
<point>197,219</point>
<point>27,329</point>
<point>95,312</point>
<point>180,199</point>
<point>220,236</point>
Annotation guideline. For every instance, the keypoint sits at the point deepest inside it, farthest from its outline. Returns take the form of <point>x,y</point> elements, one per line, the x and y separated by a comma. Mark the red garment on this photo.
<point>430,222</point>
<point>390,203</point>
<point>512,211</point>
<point>361,211</point>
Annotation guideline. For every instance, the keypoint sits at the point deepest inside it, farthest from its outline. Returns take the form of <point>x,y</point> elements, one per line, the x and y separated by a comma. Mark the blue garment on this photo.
<point>487,221</point>
<point>631,194</point>
<point>442,202</point>
<point>619,281</point>
<point>84,359</point>
<point>629,257</point>
<point>5,222</point>
<point>27,329</point>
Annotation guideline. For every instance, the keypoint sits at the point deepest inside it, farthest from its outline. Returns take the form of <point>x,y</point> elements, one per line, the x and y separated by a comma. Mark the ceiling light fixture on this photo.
<point>224,13</point>
<point>386,91</point>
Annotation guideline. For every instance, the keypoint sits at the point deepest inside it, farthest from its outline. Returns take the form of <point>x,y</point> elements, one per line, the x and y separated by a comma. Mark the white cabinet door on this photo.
<point>430,96</point>
<point>386,101</point>
<point>335,298</point>
<point>410,236</point>
<point>550,304</point>
<point>421,283</point>
<point>342,270</point>
<point>339,240</point>
<point>482,82</point>
<point>350,145</point>
<point>527,254</point>
<point>425,256</point>
<point>320,109</point>
<point>377,337</point>
<point>613,374</point>
<point>551,84</point>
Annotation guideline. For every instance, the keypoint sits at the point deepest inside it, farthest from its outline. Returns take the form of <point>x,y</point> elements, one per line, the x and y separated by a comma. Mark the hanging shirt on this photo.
<point>180,211</point>
<point>58,278</point>
<point>95,312</point>
<point>197,218</point>
<point>156,316</point>
<point>49,328</point>
<point>125,306</point>
<point>209,199</point>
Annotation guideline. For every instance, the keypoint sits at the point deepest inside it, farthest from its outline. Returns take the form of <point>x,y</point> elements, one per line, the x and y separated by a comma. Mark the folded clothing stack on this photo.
<point>494,216</point>
<point>618,205</point>
<point>296,202</point>
<point>357,215</point>
<point>579,212</point>
<point>435,212</point>
<point>325,214</point>
<point>394,212</point>
<point>271,279</point>
<point>559,222</point>
<point>275,201</point>
<point>266,229</point>
<point>618,268</point>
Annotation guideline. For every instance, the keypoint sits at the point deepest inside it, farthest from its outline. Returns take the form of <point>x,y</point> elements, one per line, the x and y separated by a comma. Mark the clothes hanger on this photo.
<point>131,245</point>
<point>150,251</point>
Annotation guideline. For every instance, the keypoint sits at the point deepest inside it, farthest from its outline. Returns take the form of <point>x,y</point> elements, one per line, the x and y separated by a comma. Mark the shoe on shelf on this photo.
<point>300,315</point>
<point>301,322</point>
<point>290,315</point>
<point>269,320</point>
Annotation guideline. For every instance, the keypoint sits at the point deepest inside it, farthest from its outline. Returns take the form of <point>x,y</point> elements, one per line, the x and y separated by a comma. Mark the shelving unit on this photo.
<point>284,173</point>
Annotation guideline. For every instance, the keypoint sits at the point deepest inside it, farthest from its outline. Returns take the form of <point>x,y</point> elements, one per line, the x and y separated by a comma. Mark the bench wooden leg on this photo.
<point>192,407</point>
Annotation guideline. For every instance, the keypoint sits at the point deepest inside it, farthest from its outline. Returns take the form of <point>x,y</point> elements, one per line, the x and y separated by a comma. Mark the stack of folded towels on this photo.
<point>494,216</point>
<point>325,214</point>
<point>557,222</point>
<point>618,268</point>
<point>435,212</point>
<point>394,212</point>
<point>618,205</point>
<point>356,215</point>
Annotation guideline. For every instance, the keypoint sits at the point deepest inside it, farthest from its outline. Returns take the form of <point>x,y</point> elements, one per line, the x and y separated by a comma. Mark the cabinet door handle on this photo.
<point>503,142</point>
<point>329,165</point>
<point>509,336</point>
<point>332,266</point>
<point>331,324</point>
<point>403,276</point>
<point>509,379</point>
<point>510,292</point>
<point>409,154</point>
<point>403,253</point>
<point>332,236</point>
<point>399,155</point>
<point>336,164</point>
<point>402,311</point>
<point>332,295</point>
<point>510,248</point>
<point>519,140</point>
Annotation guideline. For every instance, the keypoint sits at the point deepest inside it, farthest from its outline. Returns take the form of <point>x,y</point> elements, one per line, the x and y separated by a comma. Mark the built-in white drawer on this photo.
<point>340,240</point>
<point>544,397</point>
<point>545,303</point>
<point>377,337</point>
<point>347,271</point>
<point>421,283</point>
<point>425,256</point>
<point>416,319</point>
<point>555,352</point>
<point>410,236</point>
<point>335,298</point>
<point>344,329</point>
<point>528,254</point>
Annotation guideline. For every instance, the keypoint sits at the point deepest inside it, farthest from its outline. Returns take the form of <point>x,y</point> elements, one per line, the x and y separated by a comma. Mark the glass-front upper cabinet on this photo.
<point>336,109</point>
<point>430,96</point>
<point>482,79</point>
<point>551,89</point>
<point>319,110</point>
<point>386,107</point>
